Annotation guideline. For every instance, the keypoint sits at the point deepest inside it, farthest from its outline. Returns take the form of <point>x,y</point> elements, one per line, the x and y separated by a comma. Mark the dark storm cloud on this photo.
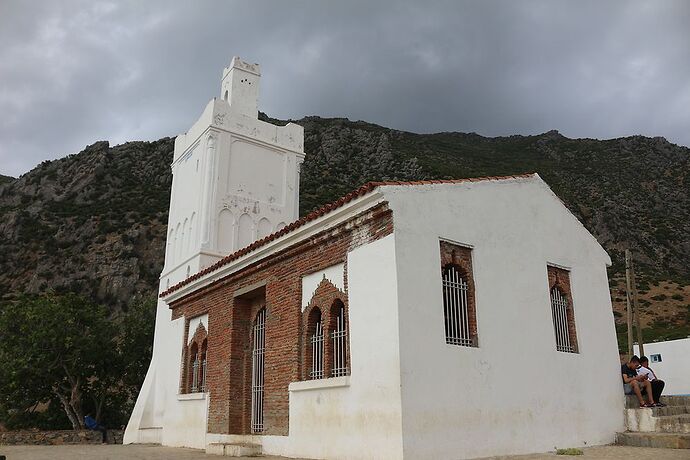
<point>73,72</point>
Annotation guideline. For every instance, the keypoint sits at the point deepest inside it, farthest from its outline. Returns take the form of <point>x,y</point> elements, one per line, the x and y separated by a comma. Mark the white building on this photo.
<point>670,361</point>
<point>435,319</point>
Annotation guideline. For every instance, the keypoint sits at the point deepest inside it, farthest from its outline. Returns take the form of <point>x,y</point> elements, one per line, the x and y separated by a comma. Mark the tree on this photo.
<point>67,350</point>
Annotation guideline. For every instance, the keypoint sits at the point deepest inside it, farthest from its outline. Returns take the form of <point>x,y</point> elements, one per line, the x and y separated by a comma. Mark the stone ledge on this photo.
<point>56,437</point>
<point>320,384</point>
<point>191,396</point>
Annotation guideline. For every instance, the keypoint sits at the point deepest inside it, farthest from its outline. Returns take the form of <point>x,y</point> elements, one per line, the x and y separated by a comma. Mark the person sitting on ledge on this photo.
<point>93,425</point>
<point>657,385</point>
<point>634,384</point>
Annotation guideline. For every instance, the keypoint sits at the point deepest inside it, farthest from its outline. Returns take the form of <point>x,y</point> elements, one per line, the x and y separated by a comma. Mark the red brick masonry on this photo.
<point>275,283</point>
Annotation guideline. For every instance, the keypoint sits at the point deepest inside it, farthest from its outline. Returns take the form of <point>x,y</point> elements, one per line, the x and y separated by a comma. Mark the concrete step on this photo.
<point>659,440</point>
<point>673,423</point>
<point>234,449</point>
<point>670,410</point>
<point>632,403</point>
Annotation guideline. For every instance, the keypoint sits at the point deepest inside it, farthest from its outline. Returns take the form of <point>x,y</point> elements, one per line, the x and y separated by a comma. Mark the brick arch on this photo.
<point>313,315</point>
<point>325,295</point>
<point>195,347</point>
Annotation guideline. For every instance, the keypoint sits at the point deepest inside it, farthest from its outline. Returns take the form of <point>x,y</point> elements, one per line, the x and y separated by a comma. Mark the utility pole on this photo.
<point>636,309</point>
<point>631,304</point>
<point>628,301</point>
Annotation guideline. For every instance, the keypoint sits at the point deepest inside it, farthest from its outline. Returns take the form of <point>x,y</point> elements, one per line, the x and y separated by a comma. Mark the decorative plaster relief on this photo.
<point>194,323</point>
<point>335,274</point>
<point>219,119</point>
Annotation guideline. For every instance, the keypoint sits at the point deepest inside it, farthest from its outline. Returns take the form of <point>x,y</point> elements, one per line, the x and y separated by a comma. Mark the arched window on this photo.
<point>194,368</point>
<point>204,353</point>
<point>316,342</point>
<point>339,339</point>
<point>258,347</point>
<point>194,363</point>
<point>562,310</point>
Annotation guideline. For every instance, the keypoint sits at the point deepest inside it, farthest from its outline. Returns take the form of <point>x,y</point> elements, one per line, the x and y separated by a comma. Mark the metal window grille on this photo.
<point>455,308</point>
<point>339,336</point>
<point>195,374</point>
<point>317,352</point>
<point>203,374</point>
<point>559,310</point>
<point>258,348</point>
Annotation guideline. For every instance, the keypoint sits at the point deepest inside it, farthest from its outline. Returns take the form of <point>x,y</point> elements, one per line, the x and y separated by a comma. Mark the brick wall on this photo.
<point>327,298</point>
<point>276,283</point>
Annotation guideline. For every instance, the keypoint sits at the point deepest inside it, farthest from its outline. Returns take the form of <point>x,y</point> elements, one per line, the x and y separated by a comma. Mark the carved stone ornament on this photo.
<point>219,119</point>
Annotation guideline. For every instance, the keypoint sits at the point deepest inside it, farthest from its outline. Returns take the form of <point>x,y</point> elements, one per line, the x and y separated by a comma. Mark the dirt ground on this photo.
<point>150,452</point>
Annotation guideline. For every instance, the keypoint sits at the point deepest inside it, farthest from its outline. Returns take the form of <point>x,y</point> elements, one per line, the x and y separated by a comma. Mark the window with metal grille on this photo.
<point>559,310</point>
<point>339,338</point>
<point>562,310</point>
<point>258,348</point>
<point>202,372</point>
<point>317,342</point>
<point>194,377</point>
<point>456,310</point>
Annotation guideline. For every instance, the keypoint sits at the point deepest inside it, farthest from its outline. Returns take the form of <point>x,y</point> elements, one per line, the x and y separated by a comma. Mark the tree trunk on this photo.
<point>74,420</point>
<point>75,403</point>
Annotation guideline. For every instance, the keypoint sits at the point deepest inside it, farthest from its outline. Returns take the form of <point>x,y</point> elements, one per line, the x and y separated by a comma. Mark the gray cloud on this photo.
<point>73,72</point>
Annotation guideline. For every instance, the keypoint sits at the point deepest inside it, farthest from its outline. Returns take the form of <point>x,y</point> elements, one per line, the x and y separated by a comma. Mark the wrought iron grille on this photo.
<point>559,310</point>
<point>195,374</point>
<point>455,308</point>
<point>317,352</point>
<point>258,348</point>
<point>339,336</point>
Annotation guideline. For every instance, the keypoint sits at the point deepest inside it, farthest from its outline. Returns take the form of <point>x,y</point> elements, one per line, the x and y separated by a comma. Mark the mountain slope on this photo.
<point>95,222</point>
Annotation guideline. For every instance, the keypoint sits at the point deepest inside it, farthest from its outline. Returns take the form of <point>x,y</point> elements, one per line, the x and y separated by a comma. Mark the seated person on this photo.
<point>634,384</point>
<point>657,385</point>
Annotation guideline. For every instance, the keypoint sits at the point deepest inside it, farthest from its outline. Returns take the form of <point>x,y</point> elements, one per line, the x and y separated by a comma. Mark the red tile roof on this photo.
<point>325,209</point>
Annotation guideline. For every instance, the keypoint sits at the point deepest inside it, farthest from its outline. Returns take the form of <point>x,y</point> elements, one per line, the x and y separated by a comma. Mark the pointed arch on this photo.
<point>226,232</point>
<point>245,231</point>
<point>265,228</point>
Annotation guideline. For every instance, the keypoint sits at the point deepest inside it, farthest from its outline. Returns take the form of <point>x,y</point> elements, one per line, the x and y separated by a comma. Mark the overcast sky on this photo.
<point>74,72</point>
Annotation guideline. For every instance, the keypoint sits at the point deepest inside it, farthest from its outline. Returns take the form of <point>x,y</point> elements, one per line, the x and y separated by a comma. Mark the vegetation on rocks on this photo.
<point>94,223</point>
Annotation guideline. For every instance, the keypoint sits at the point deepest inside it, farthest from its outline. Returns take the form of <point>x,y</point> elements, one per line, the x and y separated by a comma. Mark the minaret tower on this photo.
<point>235,178</point>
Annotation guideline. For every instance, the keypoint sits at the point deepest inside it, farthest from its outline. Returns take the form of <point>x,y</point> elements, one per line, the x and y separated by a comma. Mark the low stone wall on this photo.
<point>58,437</point>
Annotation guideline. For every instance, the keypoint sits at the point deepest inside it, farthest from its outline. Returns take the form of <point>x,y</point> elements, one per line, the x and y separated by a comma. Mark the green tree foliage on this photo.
<point>64,351</point>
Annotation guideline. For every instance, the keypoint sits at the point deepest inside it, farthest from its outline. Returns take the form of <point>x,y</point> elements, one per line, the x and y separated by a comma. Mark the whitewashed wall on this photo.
<point>515,393</point>
<point>362,419</point>
<point>674,369</point>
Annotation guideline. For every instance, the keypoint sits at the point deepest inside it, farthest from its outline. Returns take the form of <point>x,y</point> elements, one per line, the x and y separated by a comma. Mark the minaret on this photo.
<point>235,178</point>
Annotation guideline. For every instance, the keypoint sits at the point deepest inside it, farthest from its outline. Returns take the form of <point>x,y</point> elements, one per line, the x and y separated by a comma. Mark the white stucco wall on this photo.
<point>360,417</point>
<point>514,393</point>
<point>674,368</point>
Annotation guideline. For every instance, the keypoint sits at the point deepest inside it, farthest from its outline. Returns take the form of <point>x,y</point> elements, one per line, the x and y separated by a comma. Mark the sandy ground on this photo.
<point>146,452</point>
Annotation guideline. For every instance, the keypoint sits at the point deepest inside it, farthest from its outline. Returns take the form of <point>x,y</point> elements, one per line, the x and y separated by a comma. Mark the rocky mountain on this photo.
<point>95,222</point>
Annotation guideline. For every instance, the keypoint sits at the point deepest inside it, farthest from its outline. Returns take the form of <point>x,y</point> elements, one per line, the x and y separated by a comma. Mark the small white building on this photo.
<point>434,319</point>
<point>670,361</point>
